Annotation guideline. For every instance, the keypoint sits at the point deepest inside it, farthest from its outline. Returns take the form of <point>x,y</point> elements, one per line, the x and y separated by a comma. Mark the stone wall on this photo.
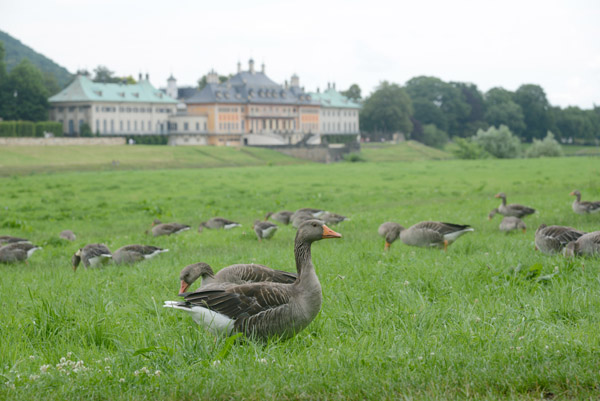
<point>59,141</point>
<point>317,153</point>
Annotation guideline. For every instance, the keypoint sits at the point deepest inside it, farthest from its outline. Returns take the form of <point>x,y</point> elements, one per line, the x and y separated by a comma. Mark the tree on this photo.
<point>104,75</point>
<point>429,94</point>
<point>535,106</point>
<point>202,81</point>
<point>502,110</point>
<point>434,137</point>
<point>23,95</point>
<point>574,124</point>
<point>353,92</point>
<point>476,118</point>
<point>2,64</point>
<point>386,111</point>
<point>548,147</point>
<point>499,142</point>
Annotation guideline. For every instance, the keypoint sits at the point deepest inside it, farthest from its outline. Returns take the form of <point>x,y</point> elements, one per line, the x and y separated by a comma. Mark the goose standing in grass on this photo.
<point>266,309</point>
<point>390,231</point>
<point>588,244</point>
<point>217,223</point>
<point>433,233</point>
<point>585,207</point>
<point>68,235</point>
<point>160,228</point>
<point>231,275</point>
<point>552,239</point>
<point>512,223</point>
<point>512,209</point>
<point>134,253</point>
<point>92,255</point>
<point>333,218</point>
<point>264,229</point>
<point>9,239</point>
<point>17,252</point>
<point>282,216</point>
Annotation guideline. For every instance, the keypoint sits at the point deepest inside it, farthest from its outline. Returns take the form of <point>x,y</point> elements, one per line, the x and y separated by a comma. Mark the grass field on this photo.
<point>408,324</point>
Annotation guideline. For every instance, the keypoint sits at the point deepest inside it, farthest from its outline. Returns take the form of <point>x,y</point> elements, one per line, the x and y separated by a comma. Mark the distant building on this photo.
<point>250,108</point>
<point>112,108</point>
<point>338,114</point>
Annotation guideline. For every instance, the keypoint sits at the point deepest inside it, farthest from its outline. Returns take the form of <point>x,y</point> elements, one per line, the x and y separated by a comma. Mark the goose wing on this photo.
<point>95,250</point>
<point>441,227</point>
<point>562,234</point>
<point>244,273</point>
<point>520,209</point>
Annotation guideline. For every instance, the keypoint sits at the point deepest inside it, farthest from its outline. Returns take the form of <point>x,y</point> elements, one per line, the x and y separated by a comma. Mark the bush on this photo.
<point>85,131</point>
<point>548,147</point>
<point>48,126</point>
<point>25,128</point>
<point>353,157</point>
<point>499,142</point>
<point>434,137</point>
<point>8,128</point>
<point>467,149</point>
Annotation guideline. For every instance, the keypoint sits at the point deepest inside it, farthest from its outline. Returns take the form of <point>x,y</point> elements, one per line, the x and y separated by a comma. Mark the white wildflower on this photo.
<point>406,282</point>
<point>34,377</point>
<point>69,354</point>
<point>432,353</point>
<point>44,368</point>
<point>216,363</point>
<point>262,360</point>
<point>157,373</point>
<point>547,347</point>
<point>122,380</point>
<point>32,357</point>
<point>521,338</point>
<point>420,358</point>
<point>136,373</point>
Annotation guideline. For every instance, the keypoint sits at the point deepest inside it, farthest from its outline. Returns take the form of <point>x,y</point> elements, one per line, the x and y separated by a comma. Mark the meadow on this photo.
<point>489,319</point>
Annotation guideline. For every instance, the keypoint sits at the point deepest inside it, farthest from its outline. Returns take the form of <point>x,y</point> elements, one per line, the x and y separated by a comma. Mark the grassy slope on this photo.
<point>404,151</point>
<point>410,323</point>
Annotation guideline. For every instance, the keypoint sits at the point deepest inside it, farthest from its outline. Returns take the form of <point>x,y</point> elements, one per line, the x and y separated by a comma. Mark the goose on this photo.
<point>264,229</point>
<point>587,244</point>
<point>580,207</point>
<point>552,239</point>
<point>266,309</point>
<point>231,275</point>
<point>513,209</point>
<point>9,239</point>
<point>333,218</point>
<point>299,218</point>
<point>17,252</point>
<point>282,216</point>
<point>312,211</point>
<point>433,233</point>
<point>390,231</point>
<point>68,235</point>
<point>134,253</point>
<point>511,223</point>
<point>92,255</point>
<point>217,223</point>
<point>160,228</point>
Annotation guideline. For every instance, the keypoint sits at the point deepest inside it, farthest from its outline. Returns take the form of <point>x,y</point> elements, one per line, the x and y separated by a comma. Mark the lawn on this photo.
<point>410,323</point>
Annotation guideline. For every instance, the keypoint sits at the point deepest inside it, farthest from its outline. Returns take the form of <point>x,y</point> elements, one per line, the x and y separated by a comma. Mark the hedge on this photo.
<point>29,129</point>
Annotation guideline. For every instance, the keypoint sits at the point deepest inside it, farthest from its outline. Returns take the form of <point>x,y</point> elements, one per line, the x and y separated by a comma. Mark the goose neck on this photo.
<point>304,264</point>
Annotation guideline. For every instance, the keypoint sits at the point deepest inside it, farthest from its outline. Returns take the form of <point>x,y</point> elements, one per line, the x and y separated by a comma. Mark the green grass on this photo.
<point>404,151</point>
<point>408,324</point>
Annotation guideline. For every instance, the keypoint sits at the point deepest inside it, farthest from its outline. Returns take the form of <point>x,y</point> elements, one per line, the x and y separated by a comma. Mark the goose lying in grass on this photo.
<point>9,239</point>
<point>588,245</point>
<point>68,235</point>
<point>511,223</point>
<point>333,218</point>
<point>282,216</point>
<point>217,223</point>
<point>231,275</point>
<point>265,309</point>
<point>390,231</point>
<point>134,253</point>
<point>92,255</point>
<point>585,207</point>
<point>299,218</point>
<point>552,239</point>
<point>160,228</point>
<point>309,210</point>
<point>264,229</point>
<point>433,233</point>
<point>513,209</point>
<point>17,252</point>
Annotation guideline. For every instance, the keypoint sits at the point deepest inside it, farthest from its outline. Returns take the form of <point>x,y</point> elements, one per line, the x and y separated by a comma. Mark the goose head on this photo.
<point>576,193</point>
<point>541,227</point>
<point>314,230</point>
<point>500,195</point>
<point>76,259</point>
<point>191,273</point>
<point>268,215</point>
<point>492,213</point>
<point>571,249</point>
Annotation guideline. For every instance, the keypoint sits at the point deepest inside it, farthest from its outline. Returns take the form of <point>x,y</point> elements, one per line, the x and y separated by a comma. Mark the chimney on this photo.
<point>328,85</point>
<point>239,65</point>
<point>262,68</point>
<point>251,66</point>
<point>140,76</point>
<point>147,77</point>
<point>318,90</point>
<point>334,86</point>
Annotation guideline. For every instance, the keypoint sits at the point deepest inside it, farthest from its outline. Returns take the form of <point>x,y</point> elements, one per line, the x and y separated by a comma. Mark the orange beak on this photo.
<point>572,194</point>
<point>184,287</point>
<point>496,196</point>
<point>329,233</point>
<point>524,230</point>
<point>387,245</point>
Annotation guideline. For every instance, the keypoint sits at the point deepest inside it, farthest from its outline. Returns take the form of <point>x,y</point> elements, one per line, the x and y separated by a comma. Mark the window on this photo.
<point>142,127</point>
<point>121,126</point>
<point>185,127</point>
<point>135,125</point>
<point>97,125</point>
<point>71,127</point>
<point>104,126</point>
<point>197,126</point>
<point>80,124</point>
<point>128,125</point>
<point>112,126</point>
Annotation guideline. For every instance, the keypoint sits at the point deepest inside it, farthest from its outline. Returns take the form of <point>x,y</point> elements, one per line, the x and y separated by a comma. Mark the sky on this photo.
<point>551,43</point>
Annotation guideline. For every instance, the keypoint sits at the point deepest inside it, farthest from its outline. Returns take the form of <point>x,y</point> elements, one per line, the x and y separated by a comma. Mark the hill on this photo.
<point>17,51</point>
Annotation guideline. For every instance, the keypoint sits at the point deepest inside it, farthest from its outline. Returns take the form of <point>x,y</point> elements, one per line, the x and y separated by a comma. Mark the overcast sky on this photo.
<point>552,43</point>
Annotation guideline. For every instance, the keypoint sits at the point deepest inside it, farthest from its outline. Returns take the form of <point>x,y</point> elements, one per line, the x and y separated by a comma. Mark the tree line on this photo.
<point>432,111</point>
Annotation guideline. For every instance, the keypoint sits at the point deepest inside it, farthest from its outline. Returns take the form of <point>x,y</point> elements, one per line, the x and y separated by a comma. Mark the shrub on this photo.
<point>548,147</point>
<point>434,137</point>
<point>467,149</point>
<point>25,128</point>
<point>85,131</point>
<point>499,142</point>
<point>48,126</point>
<point>8,128</point>
<point>353,157</point>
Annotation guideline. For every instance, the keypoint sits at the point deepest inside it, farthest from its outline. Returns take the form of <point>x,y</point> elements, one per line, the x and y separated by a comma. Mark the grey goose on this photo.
<point>552,239</point>
<point>17,252</point>
<point>282,216</point>
<point>512,209</point>
<point>332,218</point>
<point>217,223</point>
<point>159,228</point>
<point>68,235</point>
<point>390,231</point>
<point>91,255</point>
<point>309,210</point>
<point>588,245</point>
<point>584,207</point>
<point>134,253</point>
<point>433,234</point>
<point>231,275</point>
<point>9,239</point>
<point>266,309</point>
<point>264,229</point>
<point>512,223</point>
